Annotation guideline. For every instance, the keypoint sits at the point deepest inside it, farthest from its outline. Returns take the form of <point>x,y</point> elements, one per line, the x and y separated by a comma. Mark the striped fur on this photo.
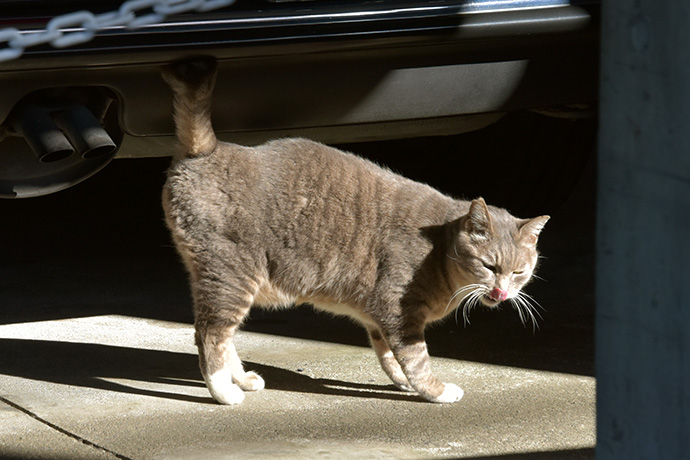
<point>294,221</point>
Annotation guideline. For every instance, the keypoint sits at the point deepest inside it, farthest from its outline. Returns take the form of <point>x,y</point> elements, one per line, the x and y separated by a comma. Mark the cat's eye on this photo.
<point>491,268</point>
<point>518,272</point>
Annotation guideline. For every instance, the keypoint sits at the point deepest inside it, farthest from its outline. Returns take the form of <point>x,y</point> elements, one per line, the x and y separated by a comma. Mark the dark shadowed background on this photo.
<point>101,247</point>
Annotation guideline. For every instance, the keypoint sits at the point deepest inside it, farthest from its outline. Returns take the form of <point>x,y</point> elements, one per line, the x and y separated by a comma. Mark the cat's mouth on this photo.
<point>488,301</point>
<point>493,298</point>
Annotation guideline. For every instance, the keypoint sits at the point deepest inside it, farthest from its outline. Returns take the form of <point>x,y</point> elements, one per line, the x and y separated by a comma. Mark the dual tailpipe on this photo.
<point>56,138</point>
<point>54,135</point>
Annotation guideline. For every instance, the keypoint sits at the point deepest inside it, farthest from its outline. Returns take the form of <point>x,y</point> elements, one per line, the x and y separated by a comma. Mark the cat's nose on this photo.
<point>498,294</point>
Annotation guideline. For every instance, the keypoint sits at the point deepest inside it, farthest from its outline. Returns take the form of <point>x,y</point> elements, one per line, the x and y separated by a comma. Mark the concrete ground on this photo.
<point>97,358</point>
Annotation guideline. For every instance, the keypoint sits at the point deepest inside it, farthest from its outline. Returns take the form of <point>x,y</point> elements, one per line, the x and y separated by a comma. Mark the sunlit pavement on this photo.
<point>131,386</point>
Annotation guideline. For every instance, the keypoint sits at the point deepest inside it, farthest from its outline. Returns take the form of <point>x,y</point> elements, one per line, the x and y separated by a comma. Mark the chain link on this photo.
<point>81,26</point>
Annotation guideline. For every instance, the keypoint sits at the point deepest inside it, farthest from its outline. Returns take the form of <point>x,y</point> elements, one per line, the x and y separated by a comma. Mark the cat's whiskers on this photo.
<point>533,303</point>
<point>535,276</point>
<point>471,300</point>
<point>471,287</point>
<point>527,309</point>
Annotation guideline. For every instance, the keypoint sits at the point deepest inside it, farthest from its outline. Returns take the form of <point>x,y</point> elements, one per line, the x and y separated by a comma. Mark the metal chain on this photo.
<point>81,26</point>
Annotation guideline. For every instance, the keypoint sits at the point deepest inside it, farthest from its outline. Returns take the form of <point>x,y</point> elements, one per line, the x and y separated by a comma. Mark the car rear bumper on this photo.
<point>385,70</point>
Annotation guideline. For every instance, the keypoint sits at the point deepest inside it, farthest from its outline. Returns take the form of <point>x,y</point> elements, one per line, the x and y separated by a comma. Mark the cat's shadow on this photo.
<point>155,373</point>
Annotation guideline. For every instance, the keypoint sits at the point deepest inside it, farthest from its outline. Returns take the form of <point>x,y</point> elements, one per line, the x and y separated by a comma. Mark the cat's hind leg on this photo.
<point>387,360</point>
<point>222,368</point>
<point>220,309</point>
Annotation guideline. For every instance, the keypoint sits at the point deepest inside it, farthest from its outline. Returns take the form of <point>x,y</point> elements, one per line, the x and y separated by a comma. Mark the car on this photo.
<point>333,71</point>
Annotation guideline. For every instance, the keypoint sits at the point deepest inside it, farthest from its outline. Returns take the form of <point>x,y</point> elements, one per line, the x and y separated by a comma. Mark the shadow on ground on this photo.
<point>95,365</point>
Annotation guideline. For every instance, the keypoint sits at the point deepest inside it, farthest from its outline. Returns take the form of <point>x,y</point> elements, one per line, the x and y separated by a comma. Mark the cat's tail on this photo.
<point>192,82</point>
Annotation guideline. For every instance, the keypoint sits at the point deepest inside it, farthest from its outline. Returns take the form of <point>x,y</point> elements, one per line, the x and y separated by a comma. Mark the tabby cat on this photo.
<point>293,221</point>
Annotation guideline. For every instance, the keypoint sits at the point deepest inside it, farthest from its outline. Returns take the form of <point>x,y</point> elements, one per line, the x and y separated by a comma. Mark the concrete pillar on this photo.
<point>643,231</point>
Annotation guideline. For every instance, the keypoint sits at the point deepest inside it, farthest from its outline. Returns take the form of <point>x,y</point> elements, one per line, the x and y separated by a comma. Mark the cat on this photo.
<point>293,221</point>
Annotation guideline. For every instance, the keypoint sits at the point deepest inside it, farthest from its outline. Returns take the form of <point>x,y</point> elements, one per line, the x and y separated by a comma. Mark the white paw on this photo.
<point>222,389</point>
<point>228,395</point>
<point>252,382</point>
<point>451,393</point>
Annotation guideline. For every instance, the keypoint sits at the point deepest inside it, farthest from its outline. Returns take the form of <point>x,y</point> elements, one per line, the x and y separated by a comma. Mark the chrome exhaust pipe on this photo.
<point>84,132</point>
<point>44,137</point>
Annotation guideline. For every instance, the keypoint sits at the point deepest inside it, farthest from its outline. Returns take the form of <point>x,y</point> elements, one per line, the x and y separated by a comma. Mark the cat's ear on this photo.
<point>478,220</point>
<point>531,228</point>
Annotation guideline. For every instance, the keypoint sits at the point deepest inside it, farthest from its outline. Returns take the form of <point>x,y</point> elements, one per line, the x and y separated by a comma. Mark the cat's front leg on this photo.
<point>411,352</point>
<point>387,360</point>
